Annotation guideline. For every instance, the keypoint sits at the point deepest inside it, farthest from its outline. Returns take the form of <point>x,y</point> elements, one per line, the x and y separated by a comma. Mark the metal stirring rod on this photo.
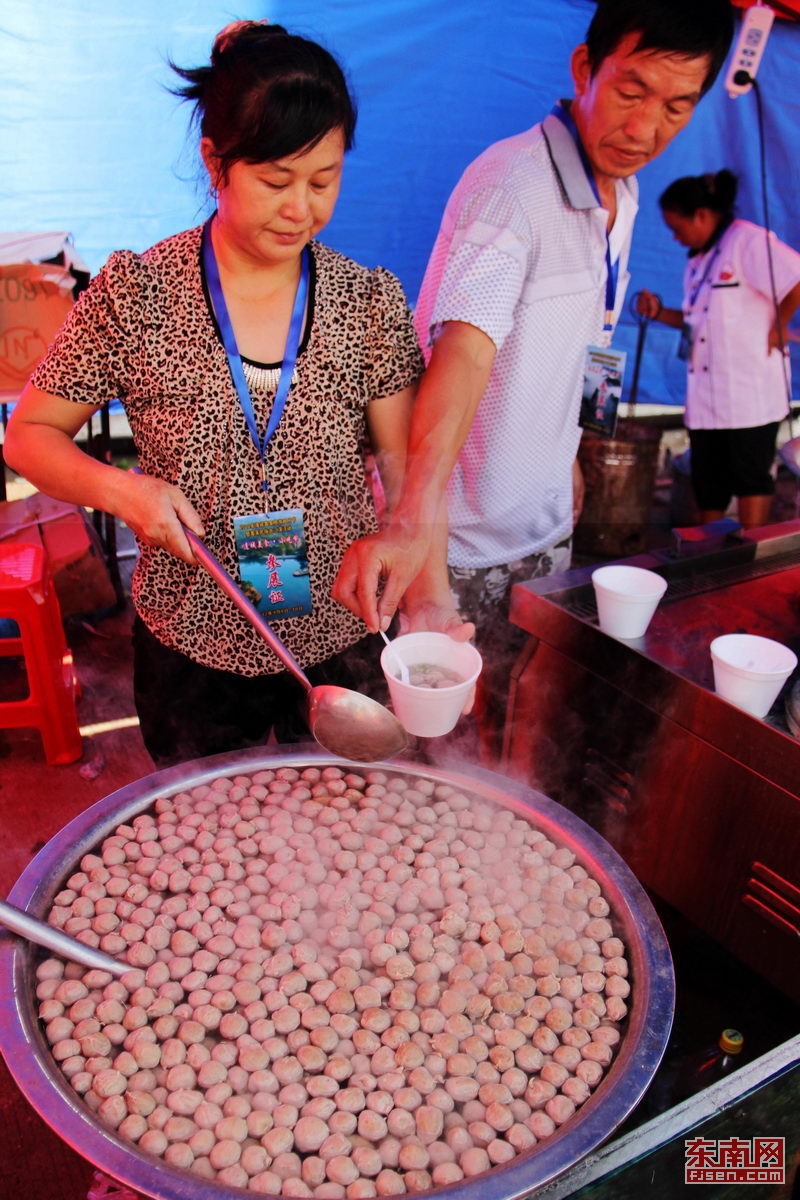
<point>60,943</point>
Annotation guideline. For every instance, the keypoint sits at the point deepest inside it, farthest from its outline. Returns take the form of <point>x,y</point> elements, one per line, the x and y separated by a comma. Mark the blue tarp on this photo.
<point>93,142</point>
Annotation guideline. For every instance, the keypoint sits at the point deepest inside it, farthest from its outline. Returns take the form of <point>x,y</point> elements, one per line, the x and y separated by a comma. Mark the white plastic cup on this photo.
<point>626,599</point>
<point>749,671</point>
<point>430,712</point>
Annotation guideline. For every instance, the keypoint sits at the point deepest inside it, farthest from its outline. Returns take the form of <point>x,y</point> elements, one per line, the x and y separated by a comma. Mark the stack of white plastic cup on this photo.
<point>626,599</point>
<point>749,671</point>
<point>424,711</point>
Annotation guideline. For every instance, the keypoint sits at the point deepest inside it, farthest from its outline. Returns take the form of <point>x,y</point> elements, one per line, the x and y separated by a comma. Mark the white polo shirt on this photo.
<point>521,254</point>
<point>732,382</point>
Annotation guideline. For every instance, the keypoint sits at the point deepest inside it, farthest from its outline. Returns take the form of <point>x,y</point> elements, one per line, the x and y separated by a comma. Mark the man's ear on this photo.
<point>581,68</point>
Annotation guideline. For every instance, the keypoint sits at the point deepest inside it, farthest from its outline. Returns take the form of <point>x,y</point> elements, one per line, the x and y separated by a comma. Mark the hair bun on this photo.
<point>228,36</point>
<point>266,94</point>
<point>726,185</point>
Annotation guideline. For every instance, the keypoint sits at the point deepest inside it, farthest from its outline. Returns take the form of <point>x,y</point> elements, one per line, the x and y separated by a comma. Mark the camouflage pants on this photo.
<point>483,595</point>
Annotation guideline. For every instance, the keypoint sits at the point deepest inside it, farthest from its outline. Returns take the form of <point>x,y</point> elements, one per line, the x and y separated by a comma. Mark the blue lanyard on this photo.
<point>232,351</point>
<point>696,291</point>
<point>612,269</point>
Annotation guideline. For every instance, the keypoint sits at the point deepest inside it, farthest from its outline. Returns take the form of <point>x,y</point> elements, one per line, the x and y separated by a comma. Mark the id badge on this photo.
<point>273,563</point>
<point>602,389</point>
<point>685,343</point>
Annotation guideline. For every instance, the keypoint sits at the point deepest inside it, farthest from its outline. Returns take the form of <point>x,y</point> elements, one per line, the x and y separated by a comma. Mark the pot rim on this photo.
<point>641,1048</point>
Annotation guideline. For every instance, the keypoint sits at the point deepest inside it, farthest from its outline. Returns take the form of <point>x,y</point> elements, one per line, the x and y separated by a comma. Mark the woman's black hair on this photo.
<point>686,195</point>
<point>689,28</point>
<point>267,94</point>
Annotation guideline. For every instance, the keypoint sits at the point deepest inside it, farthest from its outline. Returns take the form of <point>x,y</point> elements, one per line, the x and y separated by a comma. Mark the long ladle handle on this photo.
<point>61,943</point>
<point>235,593</point>
<point>248,610</point>
<point>643,323</point>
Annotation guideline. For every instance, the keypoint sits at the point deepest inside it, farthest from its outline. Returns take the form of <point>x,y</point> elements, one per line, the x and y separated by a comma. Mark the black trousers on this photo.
<point>187,711</point>
<point>732,462</point>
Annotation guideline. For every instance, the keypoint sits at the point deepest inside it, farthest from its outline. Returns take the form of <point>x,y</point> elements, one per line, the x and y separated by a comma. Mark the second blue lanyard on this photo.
<point>612,268</point>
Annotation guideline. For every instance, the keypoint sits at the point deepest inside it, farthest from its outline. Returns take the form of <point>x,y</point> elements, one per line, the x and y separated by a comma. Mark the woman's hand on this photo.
<point>648,305</point>
<point>156,511</point>
<point>39,444</point>
<point>779,334</point>
<point>778,339</point>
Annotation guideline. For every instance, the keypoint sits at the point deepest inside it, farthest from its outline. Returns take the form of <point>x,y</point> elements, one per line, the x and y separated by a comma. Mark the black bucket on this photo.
<point>620,477</point>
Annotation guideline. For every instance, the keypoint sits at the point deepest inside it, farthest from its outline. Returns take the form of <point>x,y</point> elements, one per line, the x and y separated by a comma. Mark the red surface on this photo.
<point>36,801</point>
<point>42,521</point>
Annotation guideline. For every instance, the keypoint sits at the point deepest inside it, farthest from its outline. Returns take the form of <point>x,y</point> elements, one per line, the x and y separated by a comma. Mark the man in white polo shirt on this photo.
<point>528,270</point>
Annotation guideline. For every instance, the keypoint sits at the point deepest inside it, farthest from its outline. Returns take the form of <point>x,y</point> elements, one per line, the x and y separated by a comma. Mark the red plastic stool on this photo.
<point>27,596</point>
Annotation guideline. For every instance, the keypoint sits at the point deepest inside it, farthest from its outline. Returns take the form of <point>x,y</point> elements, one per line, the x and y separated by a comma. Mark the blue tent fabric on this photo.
<point>93,141</point>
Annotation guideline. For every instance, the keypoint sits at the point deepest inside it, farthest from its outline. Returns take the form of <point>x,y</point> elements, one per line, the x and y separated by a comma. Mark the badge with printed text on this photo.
<point>685,343</point>
<point>602,389</point>
<point>273,563</point>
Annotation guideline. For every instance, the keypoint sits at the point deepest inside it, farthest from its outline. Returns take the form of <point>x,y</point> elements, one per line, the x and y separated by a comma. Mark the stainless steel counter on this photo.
<point>700,798</point>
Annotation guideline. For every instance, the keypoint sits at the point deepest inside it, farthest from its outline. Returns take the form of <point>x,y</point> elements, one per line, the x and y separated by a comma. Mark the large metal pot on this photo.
<point>648,1023</point>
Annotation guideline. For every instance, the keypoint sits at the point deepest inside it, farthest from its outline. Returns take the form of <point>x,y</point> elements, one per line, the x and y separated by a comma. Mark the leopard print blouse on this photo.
<point>144,331</point>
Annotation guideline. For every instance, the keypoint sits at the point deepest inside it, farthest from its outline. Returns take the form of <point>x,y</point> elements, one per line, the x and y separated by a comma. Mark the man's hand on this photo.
<point>396,556</point>
<point>578,491</point>
<point>436,618</point>
<point>648,305</point>
<point>439,618</point>
<point>447,398</point>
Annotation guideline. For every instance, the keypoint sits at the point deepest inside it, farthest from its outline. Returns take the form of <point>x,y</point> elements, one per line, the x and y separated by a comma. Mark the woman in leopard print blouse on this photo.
<point>276,119</point>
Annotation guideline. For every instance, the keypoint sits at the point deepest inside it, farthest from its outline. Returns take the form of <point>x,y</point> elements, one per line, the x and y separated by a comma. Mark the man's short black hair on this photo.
<point>691,28</point>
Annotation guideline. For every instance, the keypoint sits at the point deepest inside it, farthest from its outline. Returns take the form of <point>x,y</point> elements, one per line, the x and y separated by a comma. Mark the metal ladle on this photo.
<point>343,721</point>
<point>60,943</point>
<point>643,322</point>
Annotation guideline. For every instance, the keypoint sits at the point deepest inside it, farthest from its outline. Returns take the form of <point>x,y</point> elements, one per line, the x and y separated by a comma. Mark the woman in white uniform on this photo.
<point>734,326</point>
